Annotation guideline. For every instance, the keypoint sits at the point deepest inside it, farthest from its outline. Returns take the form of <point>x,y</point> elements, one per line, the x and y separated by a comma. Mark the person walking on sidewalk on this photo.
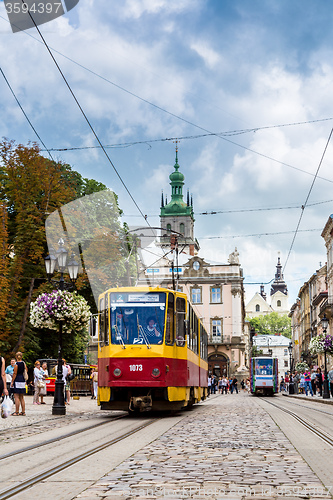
<point>43,391</point>
<point>94,377</point>
<point>234,385</point>
<point>330,378</point>
<point>313,381</point>
<point>38,380</point>
<point>18,383</point>
<point>224,385</point>
<point>319,381</point>
<point>66,372</point>
<point>307,380</point>
<point>209,384</point>
<point>9,375</point>
<point>3,386</point>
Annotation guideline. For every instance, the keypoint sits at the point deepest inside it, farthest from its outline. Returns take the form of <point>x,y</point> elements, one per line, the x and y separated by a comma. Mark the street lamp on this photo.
<point>291,383</point>
<point>326,393</point>
<point>60,258</point>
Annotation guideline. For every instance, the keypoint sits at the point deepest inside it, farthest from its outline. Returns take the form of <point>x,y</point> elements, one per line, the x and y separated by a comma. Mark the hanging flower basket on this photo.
<point>60,306</point>
<point>302,367</point>
<point>321,344</point>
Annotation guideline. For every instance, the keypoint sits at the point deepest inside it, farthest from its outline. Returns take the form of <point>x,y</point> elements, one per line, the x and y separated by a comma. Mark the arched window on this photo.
<point>257,307</point>
<point>278,303</point>
<point>169,227</point>
<point>182,228</point>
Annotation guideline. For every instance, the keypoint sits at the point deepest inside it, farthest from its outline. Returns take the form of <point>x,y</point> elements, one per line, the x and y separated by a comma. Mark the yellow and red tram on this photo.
<point>152,350</point>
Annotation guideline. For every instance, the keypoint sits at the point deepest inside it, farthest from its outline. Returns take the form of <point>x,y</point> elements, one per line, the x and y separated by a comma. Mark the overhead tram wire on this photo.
<point>26,116</point>
<point>307,198</point>
<point>187,137</point>
<point>219,135</point>
<point>86,118</point>
<point>256,234</point>
<point>243,210</point>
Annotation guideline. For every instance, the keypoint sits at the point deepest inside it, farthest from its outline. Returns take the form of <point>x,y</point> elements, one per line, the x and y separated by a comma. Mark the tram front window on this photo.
<point>137,318</point>
<point>264,367</point>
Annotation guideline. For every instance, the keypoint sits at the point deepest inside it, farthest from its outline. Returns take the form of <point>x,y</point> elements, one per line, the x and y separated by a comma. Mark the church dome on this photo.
<point>176,176</point>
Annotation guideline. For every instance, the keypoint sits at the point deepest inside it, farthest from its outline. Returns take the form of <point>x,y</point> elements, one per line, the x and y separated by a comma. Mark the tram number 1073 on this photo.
<point>135,368</point>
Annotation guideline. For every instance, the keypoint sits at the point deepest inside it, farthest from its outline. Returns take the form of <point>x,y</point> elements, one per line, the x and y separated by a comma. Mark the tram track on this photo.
<point>59,438</point>
<point>306,423</point>
<point>292,402</point>
<point>45,474</point>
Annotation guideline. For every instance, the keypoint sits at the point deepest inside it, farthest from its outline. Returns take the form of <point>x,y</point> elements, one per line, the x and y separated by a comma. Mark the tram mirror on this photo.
<point>180,342</point>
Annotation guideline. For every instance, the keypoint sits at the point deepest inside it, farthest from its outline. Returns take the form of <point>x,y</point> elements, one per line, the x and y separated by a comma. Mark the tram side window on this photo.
<point>101,320</point>
<point>191,329</point>
<point>203,343</point>
<point>204,349</point>
<point>106,321</point>
<point>169,334</point>
<point>195,333</point>
<point>180,318</point>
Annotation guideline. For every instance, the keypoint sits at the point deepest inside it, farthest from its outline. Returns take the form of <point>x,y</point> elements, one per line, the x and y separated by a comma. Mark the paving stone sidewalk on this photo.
<point>230,448</point>
<point>39,417</point>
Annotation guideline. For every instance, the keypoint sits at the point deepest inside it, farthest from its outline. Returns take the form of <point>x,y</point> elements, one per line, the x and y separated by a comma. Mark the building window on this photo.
<point>286,352</point>
<point>215,295</point>
<point>278,303</point>
<point>182,228</point>
<point>257,307</point>
<point>286,364</point>
<point>168,227</point>
<point>196,295</point>
<point>216,327</point>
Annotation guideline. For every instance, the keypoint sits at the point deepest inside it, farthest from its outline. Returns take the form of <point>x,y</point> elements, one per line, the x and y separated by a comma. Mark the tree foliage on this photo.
<point>272,324</point>
<point>31,188</point>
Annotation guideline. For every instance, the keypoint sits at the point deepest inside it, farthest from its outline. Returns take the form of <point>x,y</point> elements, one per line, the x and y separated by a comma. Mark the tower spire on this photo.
<point>176,162</point>
<point>279,283</point>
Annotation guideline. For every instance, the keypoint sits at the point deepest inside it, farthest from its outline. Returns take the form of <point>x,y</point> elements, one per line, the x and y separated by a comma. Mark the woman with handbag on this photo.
<point>38,382</point>
<point>18,383</point>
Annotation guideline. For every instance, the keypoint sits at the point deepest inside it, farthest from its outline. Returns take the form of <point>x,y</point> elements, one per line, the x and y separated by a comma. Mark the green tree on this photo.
<point>31,188</point>
<point>272,324</point>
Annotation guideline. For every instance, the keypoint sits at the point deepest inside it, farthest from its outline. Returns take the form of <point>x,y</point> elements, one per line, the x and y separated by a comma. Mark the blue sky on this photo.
<point>212,66</point>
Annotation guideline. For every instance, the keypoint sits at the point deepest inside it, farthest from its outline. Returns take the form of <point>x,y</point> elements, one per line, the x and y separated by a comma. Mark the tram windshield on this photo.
<point>264,366</point>
<point>137,318</point>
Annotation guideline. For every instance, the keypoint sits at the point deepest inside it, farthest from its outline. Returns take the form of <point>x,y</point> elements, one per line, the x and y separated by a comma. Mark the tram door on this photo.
<point>218,365</point>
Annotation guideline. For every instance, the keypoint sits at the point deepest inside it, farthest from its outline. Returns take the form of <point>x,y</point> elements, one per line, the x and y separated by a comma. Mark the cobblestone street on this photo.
<point>228,448</point>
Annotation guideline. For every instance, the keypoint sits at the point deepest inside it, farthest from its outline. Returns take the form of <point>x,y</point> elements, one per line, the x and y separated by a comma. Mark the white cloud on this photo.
<point>210,57</point>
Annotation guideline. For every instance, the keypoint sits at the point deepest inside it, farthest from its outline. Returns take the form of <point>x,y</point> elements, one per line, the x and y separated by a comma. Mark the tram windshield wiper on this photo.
<point>142,334</point>
<point>119,337</point>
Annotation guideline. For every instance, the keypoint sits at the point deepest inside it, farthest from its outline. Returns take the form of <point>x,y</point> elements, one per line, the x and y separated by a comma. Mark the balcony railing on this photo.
<point>327,307</point>
<point>225,339</point>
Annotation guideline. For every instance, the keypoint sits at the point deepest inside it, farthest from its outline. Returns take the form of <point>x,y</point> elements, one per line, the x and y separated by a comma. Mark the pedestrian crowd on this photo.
<point>309,382</point>
<point>225,385</point>
<point>14,383</point>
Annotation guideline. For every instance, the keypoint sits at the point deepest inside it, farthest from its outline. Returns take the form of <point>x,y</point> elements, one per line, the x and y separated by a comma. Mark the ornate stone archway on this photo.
<point>218,364</point>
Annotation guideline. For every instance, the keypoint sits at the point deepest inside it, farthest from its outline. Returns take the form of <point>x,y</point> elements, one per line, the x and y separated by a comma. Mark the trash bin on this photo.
<point>291,388</point>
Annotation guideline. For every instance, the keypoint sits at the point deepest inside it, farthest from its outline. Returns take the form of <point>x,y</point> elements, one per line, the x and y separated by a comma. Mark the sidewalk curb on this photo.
<point>306,398</point>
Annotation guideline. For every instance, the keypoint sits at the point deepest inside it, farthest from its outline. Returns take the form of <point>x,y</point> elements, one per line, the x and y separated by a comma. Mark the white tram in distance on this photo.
<point>264,376</point>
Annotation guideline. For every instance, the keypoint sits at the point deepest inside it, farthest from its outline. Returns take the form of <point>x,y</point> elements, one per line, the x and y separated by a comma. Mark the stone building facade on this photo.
<point>215,290</point>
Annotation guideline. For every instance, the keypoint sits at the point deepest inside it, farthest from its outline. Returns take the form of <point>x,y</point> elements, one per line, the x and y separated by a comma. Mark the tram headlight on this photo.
<point>117,372</point>
<point>156,372</point>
